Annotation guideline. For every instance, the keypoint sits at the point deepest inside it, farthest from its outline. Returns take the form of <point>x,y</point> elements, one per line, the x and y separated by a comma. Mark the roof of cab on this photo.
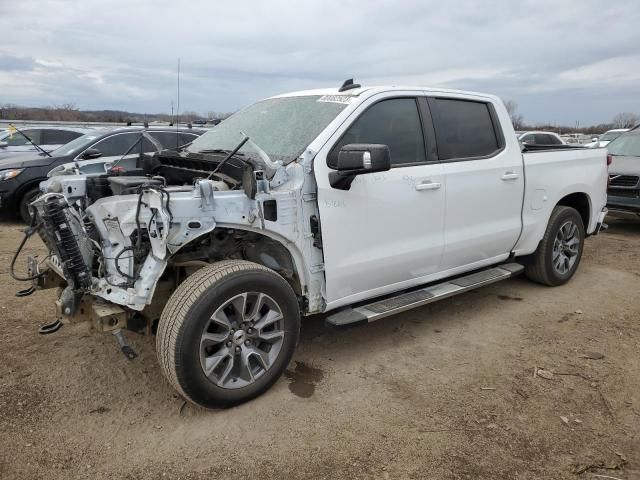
<point>372,90</point>
<point>152,128</point>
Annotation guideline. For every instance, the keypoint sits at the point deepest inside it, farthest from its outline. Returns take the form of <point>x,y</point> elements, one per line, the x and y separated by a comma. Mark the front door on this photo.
<point>386,232</point>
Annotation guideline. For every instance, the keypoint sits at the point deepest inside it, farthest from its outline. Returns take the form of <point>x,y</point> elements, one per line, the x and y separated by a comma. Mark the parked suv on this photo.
<point>606,138</point>
<point>21,175</point>
<point>48,138</point>
<point>624,173</point>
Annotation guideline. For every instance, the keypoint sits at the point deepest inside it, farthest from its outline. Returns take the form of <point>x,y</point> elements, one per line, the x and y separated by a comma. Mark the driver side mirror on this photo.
<point>91,153</point>
<point>359,159</point>
<point>4,144</point>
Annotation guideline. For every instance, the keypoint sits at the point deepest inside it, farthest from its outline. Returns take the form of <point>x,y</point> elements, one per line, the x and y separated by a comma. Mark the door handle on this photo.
<point>510,176</point>
<point>428,186</point>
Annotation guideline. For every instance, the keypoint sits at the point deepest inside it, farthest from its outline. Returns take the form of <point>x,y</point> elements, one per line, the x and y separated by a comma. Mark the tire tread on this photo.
<point>175,311</point>
<point>535,269</point>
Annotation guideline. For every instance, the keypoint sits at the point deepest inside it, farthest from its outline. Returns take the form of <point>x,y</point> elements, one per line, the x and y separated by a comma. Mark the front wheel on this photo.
<point>227,333</point>
<point>24,210</point>
<point>560,250</point>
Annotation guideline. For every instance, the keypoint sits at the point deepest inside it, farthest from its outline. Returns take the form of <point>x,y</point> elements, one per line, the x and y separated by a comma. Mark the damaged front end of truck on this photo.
<point>221,236</point>
<point>121,239</point>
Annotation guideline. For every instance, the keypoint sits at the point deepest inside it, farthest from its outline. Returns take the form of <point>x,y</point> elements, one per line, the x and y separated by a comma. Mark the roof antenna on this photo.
<point>178,108</point>
<point>348,85</point>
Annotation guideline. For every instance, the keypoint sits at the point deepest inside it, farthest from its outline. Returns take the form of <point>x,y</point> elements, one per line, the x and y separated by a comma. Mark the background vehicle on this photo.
<point>358,202</point>
<point>624,173</point>
<point>21,175</point>
<point>607,137</point>
<point>539,138</point>
<point>48,138</point>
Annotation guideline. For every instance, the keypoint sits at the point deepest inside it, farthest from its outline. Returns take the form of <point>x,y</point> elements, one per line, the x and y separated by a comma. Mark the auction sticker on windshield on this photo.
<point>335,99</point>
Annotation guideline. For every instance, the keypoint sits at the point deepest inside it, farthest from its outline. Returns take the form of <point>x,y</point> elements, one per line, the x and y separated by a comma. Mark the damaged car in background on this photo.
<point>326,201</point>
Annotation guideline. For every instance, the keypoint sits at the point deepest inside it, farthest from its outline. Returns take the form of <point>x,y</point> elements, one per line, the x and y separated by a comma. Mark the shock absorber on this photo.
<point>57,225</point>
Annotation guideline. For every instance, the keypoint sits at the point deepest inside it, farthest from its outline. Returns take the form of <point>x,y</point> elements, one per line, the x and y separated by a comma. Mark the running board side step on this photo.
<point>417,298</point>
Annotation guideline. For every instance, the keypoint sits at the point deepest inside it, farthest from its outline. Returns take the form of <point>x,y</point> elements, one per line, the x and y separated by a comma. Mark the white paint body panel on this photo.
<point>550,176</point>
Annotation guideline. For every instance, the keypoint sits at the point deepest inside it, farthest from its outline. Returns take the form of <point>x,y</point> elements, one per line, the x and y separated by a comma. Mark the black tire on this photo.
<point>23,207</point>
<point>187,317</point>
<point>540,266</point>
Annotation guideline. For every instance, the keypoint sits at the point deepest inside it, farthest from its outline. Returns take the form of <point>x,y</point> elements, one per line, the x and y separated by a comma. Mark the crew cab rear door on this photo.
<point>386,232</point>
<point>485,182</point>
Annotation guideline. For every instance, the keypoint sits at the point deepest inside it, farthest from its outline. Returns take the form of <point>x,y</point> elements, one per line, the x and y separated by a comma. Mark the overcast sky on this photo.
<point>561,61</point>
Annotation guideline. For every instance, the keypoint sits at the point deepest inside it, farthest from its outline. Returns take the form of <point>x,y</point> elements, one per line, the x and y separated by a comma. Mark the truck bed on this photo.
<point>551,175</point>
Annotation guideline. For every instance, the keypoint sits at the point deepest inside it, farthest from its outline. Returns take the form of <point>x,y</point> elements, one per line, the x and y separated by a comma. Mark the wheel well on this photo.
<point>579,201</point>
<point>229,243</point>
<point>26,187</point>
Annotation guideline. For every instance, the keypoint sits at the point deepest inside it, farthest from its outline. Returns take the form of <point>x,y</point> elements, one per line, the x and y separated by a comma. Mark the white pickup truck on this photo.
<point>355,202</point>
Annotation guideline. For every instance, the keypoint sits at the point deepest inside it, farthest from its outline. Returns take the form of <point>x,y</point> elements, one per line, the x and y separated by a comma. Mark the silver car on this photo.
<point>49,138</point>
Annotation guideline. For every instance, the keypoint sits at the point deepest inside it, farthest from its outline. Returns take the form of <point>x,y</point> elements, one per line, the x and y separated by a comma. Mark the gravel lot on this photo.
<point>445,391</point>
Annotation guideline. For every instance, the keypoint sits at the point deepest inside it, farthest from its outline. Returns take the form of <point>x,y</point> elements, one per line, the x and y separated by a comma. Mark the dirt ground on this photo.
<point>444,392</point>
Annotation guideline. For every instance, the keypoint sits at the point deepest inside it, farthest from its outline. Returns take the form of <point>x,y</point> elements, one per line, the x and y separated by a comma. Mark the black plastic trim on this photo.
<point>270,210</point>
<point>428,131</point>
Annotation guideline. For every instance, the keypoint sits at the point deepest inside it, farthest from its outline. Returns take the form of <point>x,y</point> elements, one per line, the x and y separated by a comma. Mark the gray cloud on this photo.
<point>13,63</point>
<point>561,61</point>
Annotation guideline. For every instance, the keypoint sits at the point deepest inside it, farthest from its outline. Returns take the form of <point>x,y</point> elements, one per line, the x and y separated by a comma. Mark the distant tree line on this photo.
<point>68,112</point>
<point>620,120</point>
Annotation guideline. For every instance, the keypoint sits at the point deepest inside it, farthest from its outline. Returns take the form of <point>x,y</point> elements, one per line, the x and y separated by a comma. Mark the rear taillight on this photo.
<point>609,159</point>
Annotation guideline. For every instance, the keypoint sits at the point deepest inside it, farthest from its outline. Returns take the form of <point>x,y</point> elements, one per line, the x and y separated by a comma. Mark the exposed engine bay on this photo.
<point>118,233</point>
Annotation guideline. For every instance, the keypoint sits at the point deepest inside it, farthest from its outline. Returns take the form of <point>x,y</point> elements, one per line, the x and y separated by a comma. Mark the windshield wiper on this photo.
<point>231,154</point>
<point>223,150</point>
<point>182,147</point>
<point>29,140</point>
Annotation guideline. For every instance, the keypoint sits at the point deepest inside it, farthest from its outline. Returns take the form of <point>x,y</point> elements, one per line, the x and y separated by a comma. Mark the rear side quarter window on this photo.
<point>465,129</point>
<point>17,139</point>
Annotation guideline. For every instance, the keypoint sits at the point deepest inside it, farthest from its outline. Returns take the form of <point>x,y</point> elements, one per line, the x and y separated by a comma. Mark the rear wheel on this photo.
<point>560,250</point>
<point>23,207</point>
<point>227,333</point>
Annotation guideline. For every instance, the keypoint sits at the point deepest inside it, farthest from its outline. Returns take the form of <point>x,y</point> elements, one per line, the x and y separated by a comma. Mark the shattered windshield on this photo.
<point>282,127</point>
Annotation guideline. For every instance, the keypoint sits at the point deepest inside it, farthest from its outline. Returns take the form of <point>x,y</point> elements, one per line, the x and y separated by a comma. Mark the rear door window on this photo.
<point>464,129</point>
<point>59,137</point>
<point>118,144</point>
<point>173,140</point>
<point>395,123</point>
<point>543,139</point>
